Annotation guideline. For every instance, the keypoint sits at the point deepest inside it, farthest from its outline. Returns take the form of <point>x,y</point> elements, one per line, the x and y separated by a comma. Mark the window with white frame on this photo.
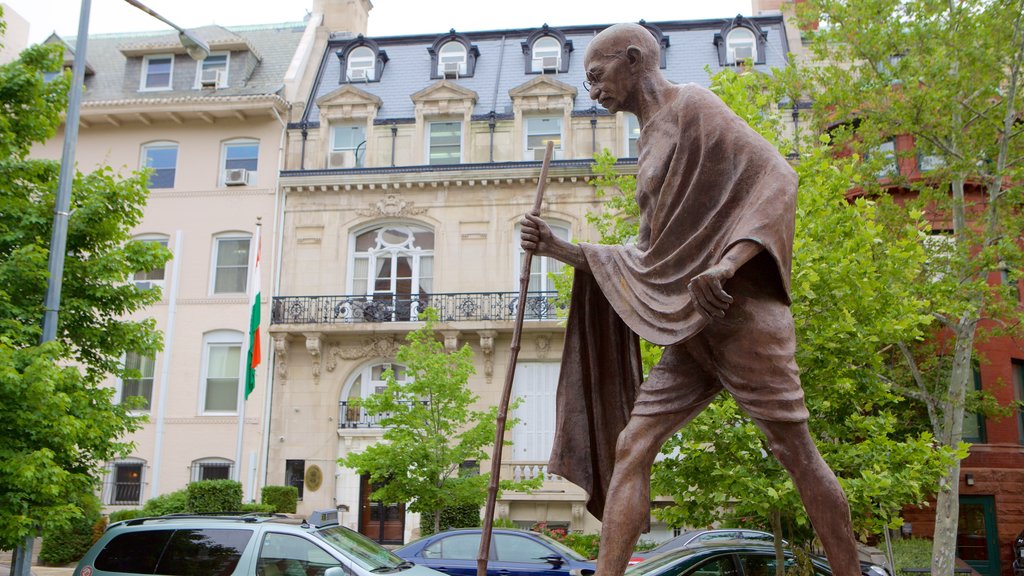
<point>451,60</point>
<point>370,379</point>
<point>212,71</point>
<point>547,54</point>
<point>240,162</point>
<point>139,384</point>
<point>211,469</point>
<point>157,72</point>
<point>148,279</point>
<point>883,158</point>
<point>222,357</point>
<point>361,64</point>
<point>542,267</point>
<point>393,266</point>
<point>632,136</point>
<point>534,434</point>
<point>161,158</point>
<point>539,130</point>
<point>124,482</point>
<point>444,142</point>
<point>348,146</point>
<point>230,264</point>
<point>740,46</point>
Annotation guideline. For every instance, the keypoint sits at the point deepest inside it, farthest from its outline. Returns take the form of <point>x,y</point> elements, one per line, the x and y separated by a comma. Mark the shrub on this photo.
<point>126,514</point>
<point>586,545</point>
<point>252,507</point>
<point>911,553</point>
<point>67,543</point>
<point>284,499</point>
<point>170,503</point>
<point>467,516</point>
<point>214,496</point>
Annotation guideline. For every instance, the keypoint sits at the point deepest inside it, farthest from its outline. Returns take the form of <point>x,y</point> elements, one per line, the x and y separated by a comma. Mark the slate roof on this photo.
<point>501,65</point>
<point>260,56</point>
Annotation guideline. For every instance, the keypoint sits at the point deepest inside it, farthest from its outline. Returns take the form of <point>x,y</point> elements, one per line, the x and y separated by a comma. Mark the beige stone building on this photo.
<point>407,170</point>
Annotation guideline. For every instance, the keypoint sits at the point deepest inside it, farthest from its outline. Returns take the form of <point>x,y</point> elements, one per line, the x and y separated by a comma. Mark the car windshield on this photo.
<point>360,549</point>
<point>562,548</point>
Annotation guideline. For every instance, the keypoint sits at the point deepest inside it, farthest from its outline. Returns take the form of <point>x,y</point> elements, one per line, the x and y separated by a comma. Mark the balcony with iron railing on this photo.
<point>389,308</point>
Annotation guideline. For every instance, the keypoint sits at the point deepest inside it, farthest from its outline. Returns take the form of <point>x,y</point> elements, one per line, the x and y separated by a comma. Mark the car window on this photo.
<point>290,555</point>
<point>513,548</point>
<point>759,565</point>
<point>454,547</point>
<point>358,548</point>
<point>134,552</point>
<point>721,566</point>
<point>758,536</point>
<point>210,552</point>
<point>718,535</point>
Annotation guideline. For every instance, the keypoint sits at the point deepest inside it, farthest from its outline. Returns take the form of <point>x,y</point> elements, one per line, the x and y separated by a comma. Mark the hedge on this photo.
<point>126,514</point>
<point>170,503</point>
<point>68,543</point>
<point>209,496</point>
<point>467,516</point>
<point>284,499</point>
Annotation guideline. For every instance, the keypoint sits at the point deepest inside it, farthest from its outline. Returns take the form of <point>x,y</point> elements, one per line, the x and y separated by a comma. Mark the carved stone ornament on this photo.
<point>281,360</point>
<point>487,347</point>
<point>577,515</point>
<point>378,347</point>
<point>501,510</point>
<point>451,340</point>
<point>543,343</point>
<point>313,347</point>
<point>391,206</point>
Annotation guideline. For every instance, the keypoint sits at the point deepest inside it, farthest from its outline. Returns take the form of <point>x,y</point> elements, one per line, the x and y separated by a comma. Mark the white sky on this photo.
<point>388,17</point>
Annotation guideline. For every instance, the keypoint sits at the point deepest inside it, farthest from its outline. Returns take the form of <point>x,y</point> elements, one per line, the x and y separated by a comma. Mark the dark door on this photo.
<point>384,523</point>
<point>977,542</point>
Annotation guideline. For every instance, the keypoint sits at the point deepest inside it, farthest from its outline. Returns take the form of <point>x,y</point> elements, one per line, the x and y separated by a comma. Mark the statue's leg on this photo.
<point>822,496</point>
<point>627,504</point>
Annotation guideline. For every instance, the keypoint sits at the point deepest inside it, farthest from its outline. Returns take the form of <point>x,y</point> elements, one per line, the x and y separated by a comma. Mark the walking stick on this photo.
<point>506,392</point>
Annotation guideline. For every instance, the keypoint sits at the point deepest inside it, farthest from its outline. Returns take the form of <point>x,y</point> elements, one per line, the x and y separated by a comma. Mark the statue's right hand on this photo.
<point>535,234</point>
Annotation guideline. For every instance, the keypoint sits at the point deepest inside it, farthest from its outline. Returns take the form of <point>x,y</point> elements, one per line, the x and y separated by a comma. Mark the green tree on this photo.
<point>58,424</point>
<point>849,286</point>
<point>946,74</point>
<point>430,430</point>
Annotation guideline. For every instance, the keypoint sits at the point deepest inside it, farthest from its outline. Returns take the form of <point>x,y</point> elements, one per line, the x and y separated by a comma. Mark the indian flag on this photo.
<point>254,356</point>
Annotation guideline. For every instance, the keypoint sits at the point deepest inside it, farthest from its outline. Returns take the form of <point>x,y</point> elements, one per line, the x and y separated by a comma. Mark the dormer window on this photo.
<point>360,65</point>
<point>361,61</point>
<point>157,72</point>
<point>212,72</point>
<point>451,60</point>
<point>547,55</point>
<point>740,41</point>
<point>740,46</point>
<point>547,52</point>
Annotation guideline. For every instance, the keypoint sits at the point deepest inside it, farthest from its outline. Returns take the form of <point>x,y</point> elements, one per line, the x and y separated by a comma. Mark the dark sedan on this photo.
<point>692,538</point>
<point>729,559</point>
<point>513,553</point>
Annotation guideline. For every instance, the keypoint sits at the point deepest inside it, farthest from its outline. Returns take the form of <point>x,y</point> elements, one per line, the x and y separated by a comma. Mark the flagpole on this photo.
<point>246,360</point>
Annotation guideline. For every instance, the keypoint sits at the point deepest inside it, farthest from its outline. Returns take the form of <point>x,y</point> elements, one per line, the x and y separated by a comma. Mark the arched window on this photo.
<point>124,482</point>
<point>162,159</point>
<point>451,60</point>
<point>361,65</point>
<point>393,267</point>
<point>149,279</point>
<point>541,268</point>
<point>740,46</point>
<point>368,380</point>
<point>547,54</point>
<point>211,469</point>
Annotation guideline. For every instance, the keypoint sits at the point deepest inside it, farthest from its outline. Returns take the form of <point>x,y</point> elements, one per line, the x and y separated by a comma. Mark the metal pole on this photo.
<point>506,393</point>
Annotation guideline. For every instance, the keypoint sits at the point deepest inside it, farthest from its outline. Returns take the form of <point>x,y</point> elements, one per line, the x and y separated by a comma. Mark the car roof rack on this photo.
<point>237,516</point>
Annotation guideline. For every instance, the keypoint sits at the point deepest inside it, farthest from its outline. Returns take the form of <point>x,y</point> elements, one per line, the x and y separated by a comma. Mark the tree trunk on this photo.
<point>780,558</point>
<point>437,521</point>
<point>947,513</point>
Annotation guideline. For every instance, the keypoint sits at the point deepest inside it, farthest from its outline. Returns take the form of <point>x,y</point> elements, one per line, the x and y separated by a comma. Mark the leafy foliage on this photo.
<point>170,503</point>
<point>430,430</point>
<point>214,496</point>
<point>467,516</point>
<point>284,499</point>
<point>58,423</point>
<point>944,79</point>
<point>68,543</point>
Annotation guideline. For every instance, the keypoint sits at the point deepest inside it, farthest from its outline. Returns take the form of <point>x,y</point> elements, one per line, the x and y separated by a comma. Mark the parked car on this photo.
<point>694,537</point>
<point>513,553</point>
<point>245,545</point>
<point>729,558</point>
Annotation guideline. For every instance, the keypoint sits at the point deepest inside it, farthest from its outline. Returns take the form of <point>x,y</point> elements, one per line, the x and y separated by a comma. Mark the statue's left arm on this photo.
<point>708,288</point>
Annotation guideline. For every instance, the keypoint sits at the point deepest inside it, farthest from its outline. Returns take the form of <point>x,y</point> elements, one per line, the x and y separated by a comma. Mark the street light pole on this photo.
<point>198,50</point>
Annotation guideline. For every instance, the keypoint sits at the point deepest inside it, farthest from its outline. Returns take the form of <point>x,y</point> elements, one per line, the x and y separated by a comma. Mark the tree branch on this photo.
<point>918,377</point>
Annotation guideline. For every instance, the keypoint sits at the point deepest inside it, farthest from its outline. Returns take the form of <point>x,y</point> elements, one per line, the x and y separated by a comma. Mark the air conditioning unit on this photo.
<point>452,69</point>
<point>236,177</point>
<point>210,78</point>
<point>742,54</point>
<point>358,74</point>
<point>145,284</point>
<point>549,63</point>
<point>342,159</point>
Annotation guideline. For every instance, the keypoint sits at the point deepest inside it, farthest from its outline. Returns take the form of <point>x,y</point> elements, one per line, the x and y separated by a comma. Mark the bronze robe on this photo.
<point>705,181</point>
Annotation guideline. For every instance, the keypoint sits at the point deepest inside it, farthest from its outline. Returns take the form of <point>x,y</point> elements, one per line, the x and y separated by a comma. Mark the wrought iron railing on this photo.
<point>121,493</point>
<point>352,415</point>
<point>451,307</point>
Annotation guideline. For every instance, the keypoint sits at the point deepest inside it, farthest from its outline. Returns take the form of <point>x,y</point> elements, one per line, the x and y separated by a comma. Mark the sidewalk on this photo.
<point>5,564</point>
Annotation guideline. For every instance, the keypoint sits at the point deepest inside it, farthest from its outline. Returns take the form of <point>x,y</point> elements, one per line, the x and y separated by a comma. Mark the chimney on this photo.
<point>344,15</point>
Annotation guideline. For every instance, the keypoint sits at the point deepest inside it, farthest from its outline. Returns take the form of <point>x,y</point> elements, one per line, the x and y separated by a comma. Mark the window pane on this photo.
<point>288,554</point>
<point>458,547</point>
<point>162,160</point>
<point>158,72</point>
<point>133,552</point>
<point>361,58</point>
<point>519,549</point>
<point>154,274</point>
<point>295,474</point>
<point>242,156</point>
<point>445,142</point>
<point>127,487</point>
<point>215,62</point>
<point>632,136</point>
<point>232,265</point>
<point>348,137</point>
<point>215,471</point>
<point>971,533</point>
<point>209,552</point>
<point>141,386</point>
<point>222,377</point>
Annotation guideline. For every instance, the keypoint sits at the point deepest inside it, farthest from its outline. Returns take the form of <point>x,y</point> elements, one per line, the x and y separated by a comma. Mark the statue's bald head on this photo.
<point>619,37</point>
